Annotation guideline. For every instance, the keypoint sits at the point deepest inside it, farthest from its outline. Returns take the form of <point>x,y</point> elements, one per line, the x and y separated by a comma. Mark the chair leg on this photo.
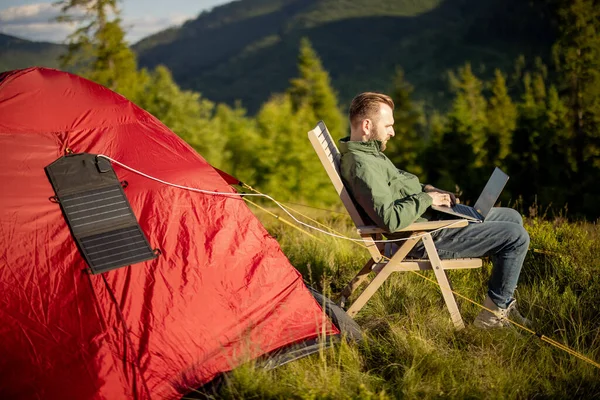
<point>382,275</point>
<point>356,281</point>
<point>442,279</point>
<point>369,291</point>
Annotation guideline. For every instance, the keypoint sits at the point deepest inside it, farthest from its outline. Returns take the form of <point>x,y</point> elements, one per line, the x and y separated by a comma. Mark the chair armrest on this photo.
<point>369,230</point>
<point>417,226</point>
<point>432,225</point>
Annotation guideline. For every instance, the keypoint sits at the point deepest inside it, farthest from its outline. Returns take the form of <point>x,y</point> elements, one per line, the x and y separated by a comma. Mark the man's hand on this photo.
<point>429,189</point>
<point>440,199</point>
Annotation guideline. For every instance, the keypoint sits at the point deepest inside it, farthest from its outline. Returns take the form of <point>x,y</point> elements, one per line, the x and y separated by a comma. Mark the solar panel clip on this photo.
<point>103,165</point>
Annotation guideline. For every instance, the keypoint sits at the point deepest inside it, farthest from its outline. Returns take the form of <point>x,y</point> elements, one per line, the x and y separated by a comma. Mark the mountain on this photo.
<point>247,49</point>
<point>18,53</point>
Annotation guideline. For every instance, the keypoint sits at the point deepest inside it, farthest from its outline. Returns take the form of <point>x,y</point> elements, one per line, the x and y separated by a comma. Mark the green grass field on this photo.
<point>411,349</point>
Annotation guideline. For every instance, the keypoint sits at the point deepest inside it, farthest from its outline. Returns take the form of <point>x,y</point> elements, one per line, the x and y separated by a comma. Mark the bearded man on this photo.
<point>394,199</point>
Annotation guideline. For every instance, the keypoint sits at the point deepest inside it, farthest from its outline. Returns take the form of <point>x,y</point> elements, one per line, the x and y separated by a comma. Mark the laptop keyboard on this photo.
<point>466,210</point>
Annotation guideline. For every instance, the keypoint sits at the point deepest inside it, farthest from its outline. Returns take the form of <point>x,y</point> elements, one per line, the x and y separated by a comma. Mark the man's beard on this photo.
<point>375,134</point>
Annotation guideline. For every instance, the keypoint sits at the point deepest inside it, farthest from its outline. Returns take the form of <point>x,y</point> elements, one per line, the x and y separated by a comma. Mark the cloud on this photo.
<point>37,22</point>
<point>34,22</point>
<point>31,13</point>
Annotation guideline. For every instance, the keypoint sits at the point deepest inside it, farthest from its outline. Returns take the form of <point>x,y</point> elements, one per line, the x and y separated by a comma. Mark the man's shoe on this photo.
<point>489,320</point>
<point>499,317</point>
<point>514,314</point>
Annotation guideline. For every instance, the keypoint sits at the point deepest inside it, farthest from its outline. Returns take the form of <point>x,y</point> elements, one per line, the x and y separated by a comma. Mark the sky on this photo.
<point>32,19</point>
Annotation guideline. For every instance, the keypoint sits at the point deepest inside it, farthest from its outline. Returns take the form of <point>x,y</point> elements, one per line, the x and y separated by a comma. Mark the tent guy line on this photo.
<point>228,194</point>
<point>542,337</point>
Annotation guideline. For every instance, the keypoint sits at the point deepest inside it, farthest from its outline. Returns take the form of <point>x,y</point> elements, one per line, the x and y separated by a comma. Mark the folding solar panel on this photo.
<point>97,212</point>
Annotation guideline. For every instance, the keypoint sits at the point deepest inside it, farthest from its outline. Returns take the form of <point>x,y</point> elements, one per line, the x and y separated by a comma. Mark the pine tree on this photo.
<point>577,58</point>
<point>502,119</point>
<point>557,162</point>
<point>468,115</point>
<point>540,75</point>
<point>527,145</point>
<point>185,112</point>
<point>288,167</point>
<point>434,160</point>
<point>557,122</point>
<point>97,50</point>
<point>516,79</point>
<point>462,147</point>
<point>407,146</point>
<point>243,148</point>
<point>313,89</point>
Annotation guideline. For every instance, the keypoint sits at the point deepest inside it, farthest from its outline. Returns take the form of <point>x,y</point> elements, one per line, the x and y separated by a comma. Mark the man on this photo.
<point>394,199</point>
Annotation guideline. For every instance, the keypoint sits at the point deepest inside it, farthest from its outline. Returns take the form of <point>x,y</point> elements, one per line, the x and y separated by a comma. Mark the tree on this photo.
<point>313,89</point>
<point>540,76</point>
<point>577,58</point>
<point>461,149</point>
<point>288,167</point>
<point>97,50</point>
<point>185,112</point>
<point>526,143</point>
<point>502,120</point>
<point>468,115</point>
<point>406,148</point>
<point>434,165</point>
<point>556,159</point>
<point>243,148</point>
<point>516,79</point>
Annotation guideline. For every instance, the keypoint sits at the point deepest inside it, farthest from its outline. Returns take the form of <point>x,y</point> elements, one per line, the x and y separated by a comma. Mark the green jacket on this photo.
<point>392,198</point>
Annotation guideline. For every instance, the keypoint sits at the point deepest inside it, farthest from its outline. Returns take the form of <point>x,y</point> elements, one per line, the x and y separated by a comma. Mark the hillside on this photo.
<point>18,53</point>
<point>247,49</point>
<point>411,350</point>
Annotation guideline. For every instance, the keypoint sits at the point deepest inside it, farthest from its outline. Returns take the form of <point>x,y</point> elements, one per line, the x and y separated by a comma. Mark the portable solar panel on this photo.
<point>97,212</point>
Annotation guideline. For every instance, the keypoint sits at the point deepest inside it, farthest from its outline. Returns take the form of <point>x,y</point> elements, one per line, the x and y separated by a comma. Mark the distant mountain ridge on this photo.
<point>16,53</point>
<point>247,49</point>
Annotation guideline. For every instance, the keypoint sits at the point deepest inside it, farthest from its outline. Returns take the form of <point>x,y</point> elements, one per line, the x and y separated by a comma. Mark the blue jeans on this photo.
<point>501,237</point>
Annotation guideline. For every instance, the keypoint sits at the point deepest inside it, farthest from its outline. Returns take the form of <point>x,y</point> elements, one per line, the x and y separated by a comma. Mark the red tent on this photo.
<point>220,293</point>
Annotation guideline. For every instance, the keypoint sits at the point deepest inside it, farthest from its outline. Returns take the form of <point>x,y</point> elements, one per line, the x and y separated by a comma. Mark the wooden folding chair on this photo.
<point>372,235</point>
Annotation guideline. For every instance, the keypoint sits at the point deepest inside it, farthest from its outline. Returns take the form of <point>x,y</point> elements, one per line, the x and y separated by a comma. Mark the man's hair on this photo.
<point>366,105</point>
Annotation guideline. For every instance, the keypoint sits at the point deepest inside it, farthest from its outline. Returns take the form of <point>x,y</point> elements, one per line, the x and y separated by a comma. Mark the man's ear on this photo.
<point>366,125</point>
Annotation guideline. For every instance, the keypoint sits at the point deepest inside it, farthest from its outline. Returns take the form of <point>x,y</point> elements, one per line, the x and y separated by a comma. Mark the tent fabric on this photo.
<point>228,178</point>
<point>221,292</point>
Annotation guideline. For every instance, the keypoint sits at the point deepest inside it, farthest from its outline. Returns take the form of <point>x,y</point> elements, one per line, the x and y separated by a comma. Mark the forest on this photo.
<point>539,122</point>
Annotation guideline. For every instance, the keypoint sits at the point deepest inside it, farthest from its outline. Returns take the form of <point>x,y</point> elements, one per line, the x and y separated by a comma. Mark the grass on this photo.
<point>411,349</point>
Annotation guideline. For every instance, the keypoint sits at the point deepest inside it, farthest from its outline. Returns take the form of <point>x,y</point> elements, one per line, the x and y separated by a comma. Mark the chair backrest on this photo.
<point>329,155</point>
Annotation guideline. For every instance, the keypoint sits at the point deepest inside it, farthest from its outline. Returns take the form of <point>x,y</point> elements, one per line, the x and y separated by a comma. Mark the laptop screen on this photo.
<point>491,192</point>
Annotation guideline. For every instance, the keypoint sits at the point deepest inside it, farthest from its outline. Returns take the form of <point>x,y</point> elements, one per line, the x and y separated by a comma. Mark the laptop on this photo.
<point>485,202</point>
